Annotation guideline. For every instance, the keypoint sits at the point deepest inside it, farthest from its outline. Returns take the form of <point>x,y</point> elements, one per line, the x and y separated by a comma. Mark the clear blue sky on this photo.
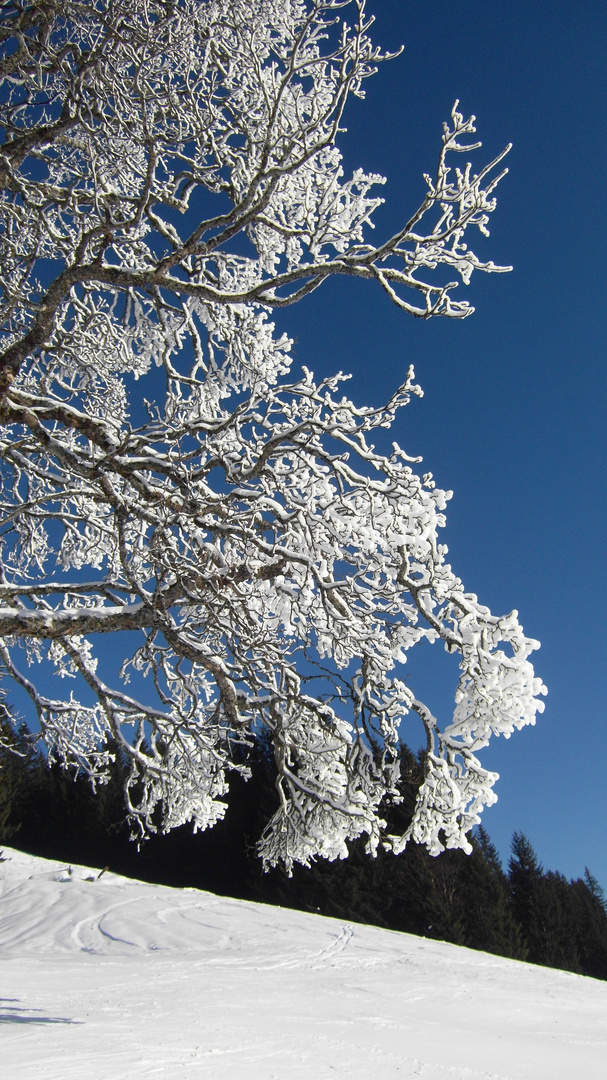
<point>513,418</point>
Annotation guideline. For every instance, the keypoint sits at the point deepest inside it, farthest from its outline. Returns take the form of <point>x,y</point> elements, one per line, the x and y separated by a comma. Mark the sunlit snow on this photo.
<point>103,977</point>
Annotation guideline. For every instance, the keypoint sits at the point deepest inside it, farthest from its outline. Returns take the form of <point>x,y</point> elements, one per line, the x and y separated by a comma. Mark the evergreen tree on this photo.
<point>558,925</point>
<point>564,923</point>
<point>525,875</point>
<point>490,922</point>
<point>589,918</point>
<point>594,888</point>
<point>20,770</point>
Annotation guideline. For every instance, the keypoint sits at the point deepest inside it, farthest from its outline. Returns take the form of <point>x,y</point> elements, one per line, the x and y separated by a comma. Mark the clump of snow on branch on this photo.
<point>235,523</point>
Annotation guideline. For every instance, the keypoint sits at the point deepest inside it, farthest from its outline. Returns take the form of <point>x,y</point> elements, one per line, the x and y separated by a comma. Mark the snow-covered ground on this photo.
<point>111,978</point>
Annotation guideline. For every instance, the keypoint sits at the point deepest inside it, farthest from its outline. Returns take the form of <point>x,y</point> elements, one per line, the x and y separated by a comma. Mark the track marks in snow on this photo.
<point>88,934</point>
<point>324,957</point>
<point>328,955</point>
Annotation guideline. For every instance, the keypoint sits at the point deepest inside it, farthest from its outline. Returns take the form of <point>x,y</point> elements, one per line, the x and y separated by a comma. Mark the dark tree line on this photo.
<point>524,913</point>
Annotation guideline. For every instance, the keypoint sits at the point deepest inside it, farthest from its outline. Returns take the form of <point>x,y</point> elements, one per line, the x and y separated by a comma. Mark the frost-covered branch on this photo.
<point>235,557</point>
<point>141,139</point>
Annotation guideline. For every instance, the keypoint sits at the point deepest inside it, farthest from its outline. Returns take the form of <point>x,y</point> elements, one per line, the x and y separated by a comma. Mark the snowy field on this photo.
<point>112,978</point>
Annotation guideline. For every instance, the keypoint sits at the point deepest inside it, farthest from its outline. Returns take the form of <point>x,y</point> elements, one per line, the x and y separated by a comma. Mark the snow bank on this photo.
<point>112,978</point>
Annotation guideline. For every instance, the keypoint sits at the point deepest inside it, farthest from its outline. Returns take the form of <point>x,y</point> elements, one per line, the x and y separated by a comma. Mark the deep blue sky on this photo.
<point>513,414</point>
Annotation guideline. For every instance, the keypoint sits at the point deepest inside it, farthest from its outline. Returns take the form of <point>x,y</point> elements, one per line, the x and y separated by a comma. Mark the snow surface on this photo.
<point>108,977</point>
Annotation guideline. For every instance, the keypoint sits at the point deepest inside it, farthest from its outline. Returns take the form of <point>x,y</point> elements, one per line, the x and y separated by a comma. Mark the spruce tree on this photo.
<point>590,921</point>
<point>490,921</point>
<point>20,769</point>
<point>525,876</point>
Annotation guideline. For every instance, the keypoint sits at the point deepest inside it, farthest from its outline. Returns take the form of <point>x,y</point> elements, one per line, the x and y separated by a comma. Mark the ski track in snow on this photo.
<point>120,980</point>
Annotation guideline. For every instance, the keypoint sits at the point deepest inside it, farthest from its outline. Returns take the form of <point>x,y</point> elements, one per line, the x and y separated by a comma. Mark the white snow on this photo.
<point>112,978</point>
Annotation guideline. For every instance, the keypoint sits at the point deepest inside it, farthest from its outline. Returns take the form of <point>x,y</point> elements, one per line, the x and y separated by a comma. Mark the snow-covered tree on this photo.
<point>170,175</point>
